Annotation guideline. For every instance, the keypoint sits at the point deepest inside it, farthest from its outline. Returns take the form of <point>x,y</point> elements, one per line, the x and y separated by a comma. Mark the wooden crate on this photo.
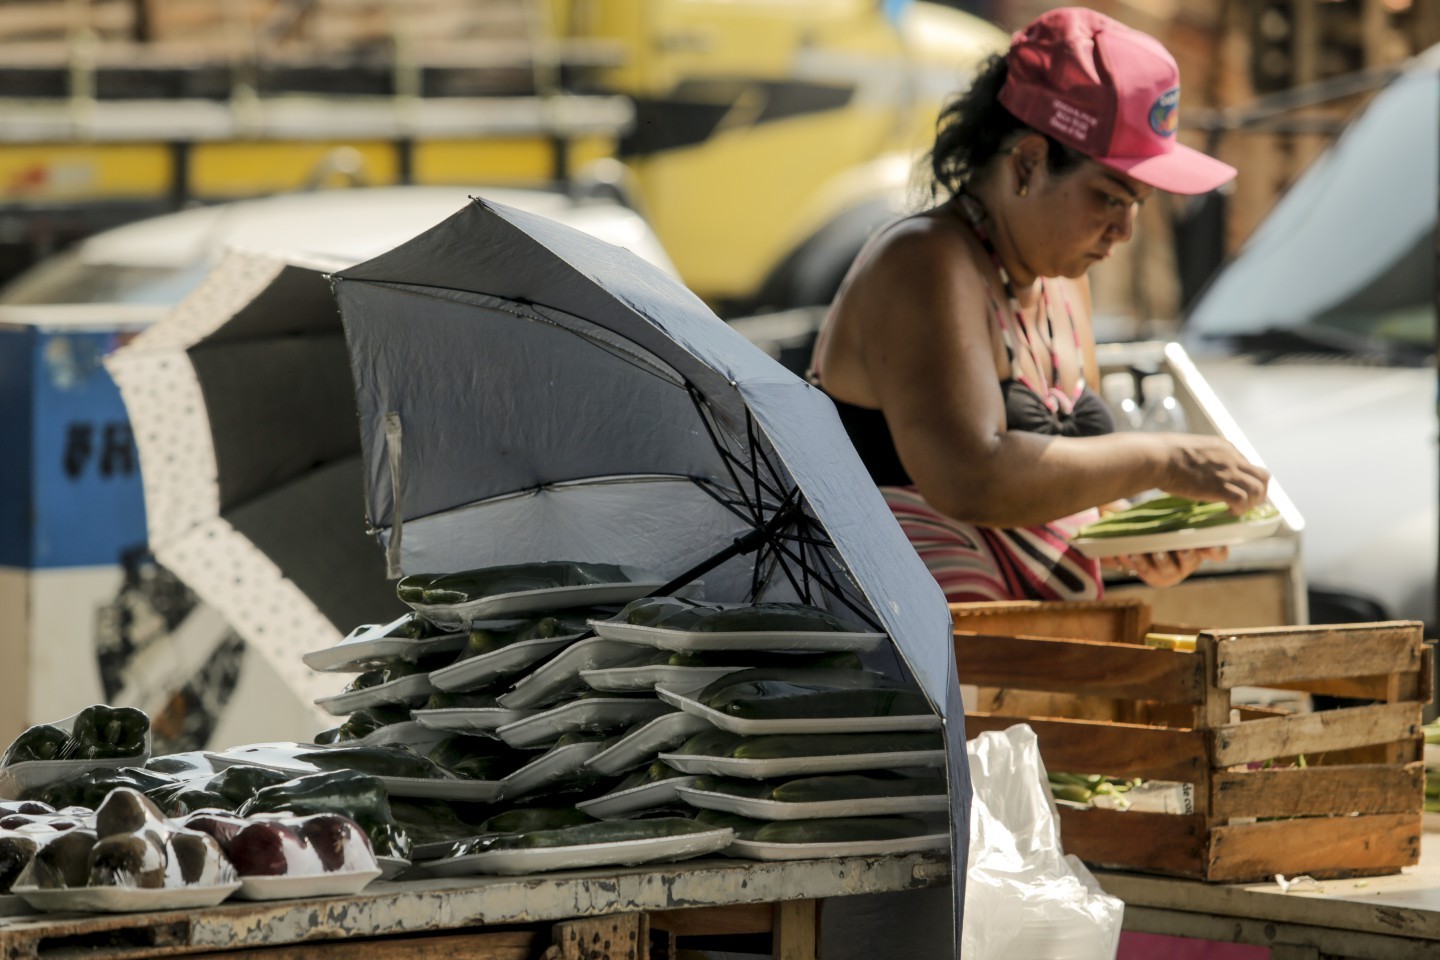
<point>1109,704</point>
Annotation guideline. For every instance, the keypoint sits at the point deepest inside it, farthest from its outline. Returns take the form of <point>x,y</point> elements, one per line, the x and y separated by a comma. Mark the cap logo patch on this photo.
<point>1165,114</point>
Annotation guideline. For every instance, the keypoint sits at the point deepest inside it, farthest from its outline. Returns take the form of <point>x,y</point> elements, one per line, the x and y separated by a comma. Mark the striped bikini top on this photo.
<point>1079,414</point>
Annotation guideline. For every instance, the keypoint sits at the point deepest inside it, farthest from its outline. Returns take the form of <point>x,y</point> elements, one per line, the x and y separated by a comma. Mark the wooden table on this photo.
<point>1379,918</point>
<point>633,913</point>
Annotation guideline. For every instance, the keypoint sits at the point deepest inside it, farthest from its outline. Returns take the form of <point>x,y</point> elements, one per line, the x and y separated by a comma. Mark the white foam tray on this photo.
<point>756,850</point>
<point>1225,535</point>
<point>539,601</point>
<point>645,678</point>
<point>580,857</point>
<point>335,884</point>
<point>473,720</point>
<point>801,766</point>
<point>367,644</point>
<point>476,673</point>
<point>690,641</point>
<point>745,727</point>
<point>552,766</point>
<point>780,810</point>
<point>643,797</point>
<point>645,742</point>
<point>594,716</point>
<point>400,690</point>
<point>124,899</point>
<point>552,679</point>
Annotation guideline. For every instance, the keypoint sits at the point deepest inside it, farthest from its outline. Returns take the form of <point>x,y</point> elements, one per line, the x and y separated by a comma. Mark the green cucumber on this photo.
<point>841,830</point>
<point>604,831</point>
<point>856,786</point>
<point>834,744</point>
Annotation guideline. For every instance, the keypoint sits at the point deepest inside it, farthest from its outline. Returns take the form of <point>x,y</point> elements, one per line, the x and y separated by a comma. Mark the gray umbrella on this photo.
<point>527,392</point>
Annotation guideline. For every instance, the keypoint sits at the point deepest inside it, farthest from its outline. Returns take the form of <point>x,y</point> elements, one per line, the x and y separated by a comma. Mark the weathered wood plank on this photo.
<point>1117,621</point>
<point>1115,749</point>
<point>624,936</point>
<point>480,945</point>
<point>1312,791</point>
<point>1271,655</point>
<point>1318,846</point>
<point>1160,842</point>
<point>413,907</point>
<point>796,930</point>
<point>742,918</point>
<point>1253,741</point>
<point>1090,667</point>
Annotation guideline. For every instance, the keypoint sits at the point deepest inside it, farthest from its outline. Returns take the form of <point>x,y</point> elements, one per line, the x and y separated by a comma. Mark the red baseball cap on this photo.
<point>1111,92</point>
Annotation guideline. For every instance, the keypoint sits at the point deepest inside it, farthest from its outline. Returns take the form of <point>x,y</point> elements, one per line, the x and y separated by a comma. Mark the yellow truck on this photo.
<point>764,139</point>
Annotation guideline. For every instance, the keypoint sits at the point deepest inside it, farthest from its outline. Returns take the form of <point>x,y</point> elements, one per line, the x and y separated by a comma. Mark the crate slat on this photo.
<point>1255,741</point>
<point>1103,669</point>
<point>1115,749</point>
<point>1322,847</point>
<point>1083,619</point>
<point>1368,788</point>
<point>1265,657</point>
<point>1159,842</point>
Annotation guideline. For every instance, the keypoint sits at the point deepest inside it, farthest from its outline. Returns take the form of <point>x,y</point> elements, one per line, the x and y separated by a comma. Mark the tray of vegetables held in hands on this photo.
<point>1173,523</point>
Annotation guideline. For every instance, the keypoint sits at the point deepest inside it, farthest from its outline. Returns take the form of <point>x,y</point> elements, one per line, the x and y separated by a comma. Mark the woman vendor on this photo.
<point>959,350</point>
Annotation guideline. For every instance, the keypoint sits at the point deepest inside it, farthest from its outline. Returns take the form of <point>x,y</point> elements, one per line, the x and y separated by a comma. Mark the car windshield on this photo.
<point>67,278</point>
<point>1346,259</point>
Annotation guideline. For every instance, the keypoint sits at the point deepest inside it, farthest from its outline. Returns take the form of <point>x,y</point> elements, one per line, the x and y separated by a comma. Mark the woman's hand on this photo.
<point>1168,568</point>
<point>1210,468</point>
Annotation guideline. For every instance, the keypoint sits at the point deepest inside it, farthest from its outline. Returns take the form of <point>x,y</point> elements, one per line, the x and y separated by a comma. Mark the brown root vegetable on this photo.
<point>338,842</point>
<point>127,860</point>
<point>64,861</point>
<point>197,859</point>
<point>16,852</point>
<point>127,810</point>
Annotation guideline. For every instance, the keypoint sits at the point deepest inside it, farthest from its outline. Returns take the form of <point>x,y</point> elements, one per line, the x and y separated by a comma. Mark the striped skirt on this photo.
<point>974,563</point>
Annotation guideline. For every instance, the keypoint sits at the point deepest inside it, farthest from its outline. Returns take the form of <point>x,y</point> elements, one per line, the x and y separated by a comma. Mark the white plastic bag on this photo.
<point>1024,899</point>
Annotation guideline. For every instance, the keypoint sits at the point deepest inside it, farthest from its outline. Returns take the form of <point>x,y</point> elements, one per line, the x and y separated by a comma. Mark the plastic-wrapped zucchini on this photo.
<point>492,635</point>
<point>395,668</point>
<point>711,743</point>
<point>411,589</point>
<point>530,819</point>
<point>835,744</point>
<point>833,660</point>
<point>475,758</point>
<point>471,585</point>
<point>677,613</point>
<point>477,700</point>
<point>431,821</point>
<point>735,787</point>
<point>744,827</point>
<point>654,773</point>
<point>364,722</point>
<point>788,694</point>
<point>856,786</point>
<point>603,831</point>
<point>841,830</point>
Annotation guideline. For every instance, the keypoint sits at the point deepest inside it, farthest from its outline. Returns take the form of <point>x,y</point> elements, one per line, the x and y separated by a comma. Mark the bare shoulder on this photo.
<point>924,259</point>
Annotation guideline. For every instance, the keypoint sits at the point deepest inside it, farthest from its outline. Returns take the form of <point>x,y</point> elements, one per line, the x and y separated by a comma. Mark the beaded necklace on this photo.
<point>1048,389</point>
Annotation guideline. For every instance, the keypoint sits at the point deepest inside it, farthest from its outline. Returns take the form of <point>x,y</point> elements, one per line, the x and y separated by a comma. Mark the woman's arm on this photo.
<point>926,346</point>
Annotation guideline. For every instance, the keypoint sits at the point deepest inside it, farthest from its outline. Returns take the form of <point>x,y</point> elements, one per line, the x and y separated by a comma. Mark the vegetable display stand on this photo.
<point>1332,793</point>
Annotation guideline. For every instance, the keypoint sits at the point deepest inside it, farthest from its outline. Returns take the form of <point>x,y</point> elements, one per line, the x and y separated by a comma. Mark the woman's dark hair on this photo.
<point>974,127</point>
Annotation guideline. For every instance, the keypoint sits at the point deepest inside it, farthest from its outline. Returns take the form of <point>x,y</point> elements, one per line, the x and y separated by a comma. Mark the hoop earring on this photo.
<point>1022,190</point>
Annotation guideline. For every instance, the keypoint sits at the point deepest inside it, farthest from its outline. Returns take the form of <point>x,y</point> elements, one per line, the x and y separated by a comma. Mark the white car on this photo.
<point>1319,338</point>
